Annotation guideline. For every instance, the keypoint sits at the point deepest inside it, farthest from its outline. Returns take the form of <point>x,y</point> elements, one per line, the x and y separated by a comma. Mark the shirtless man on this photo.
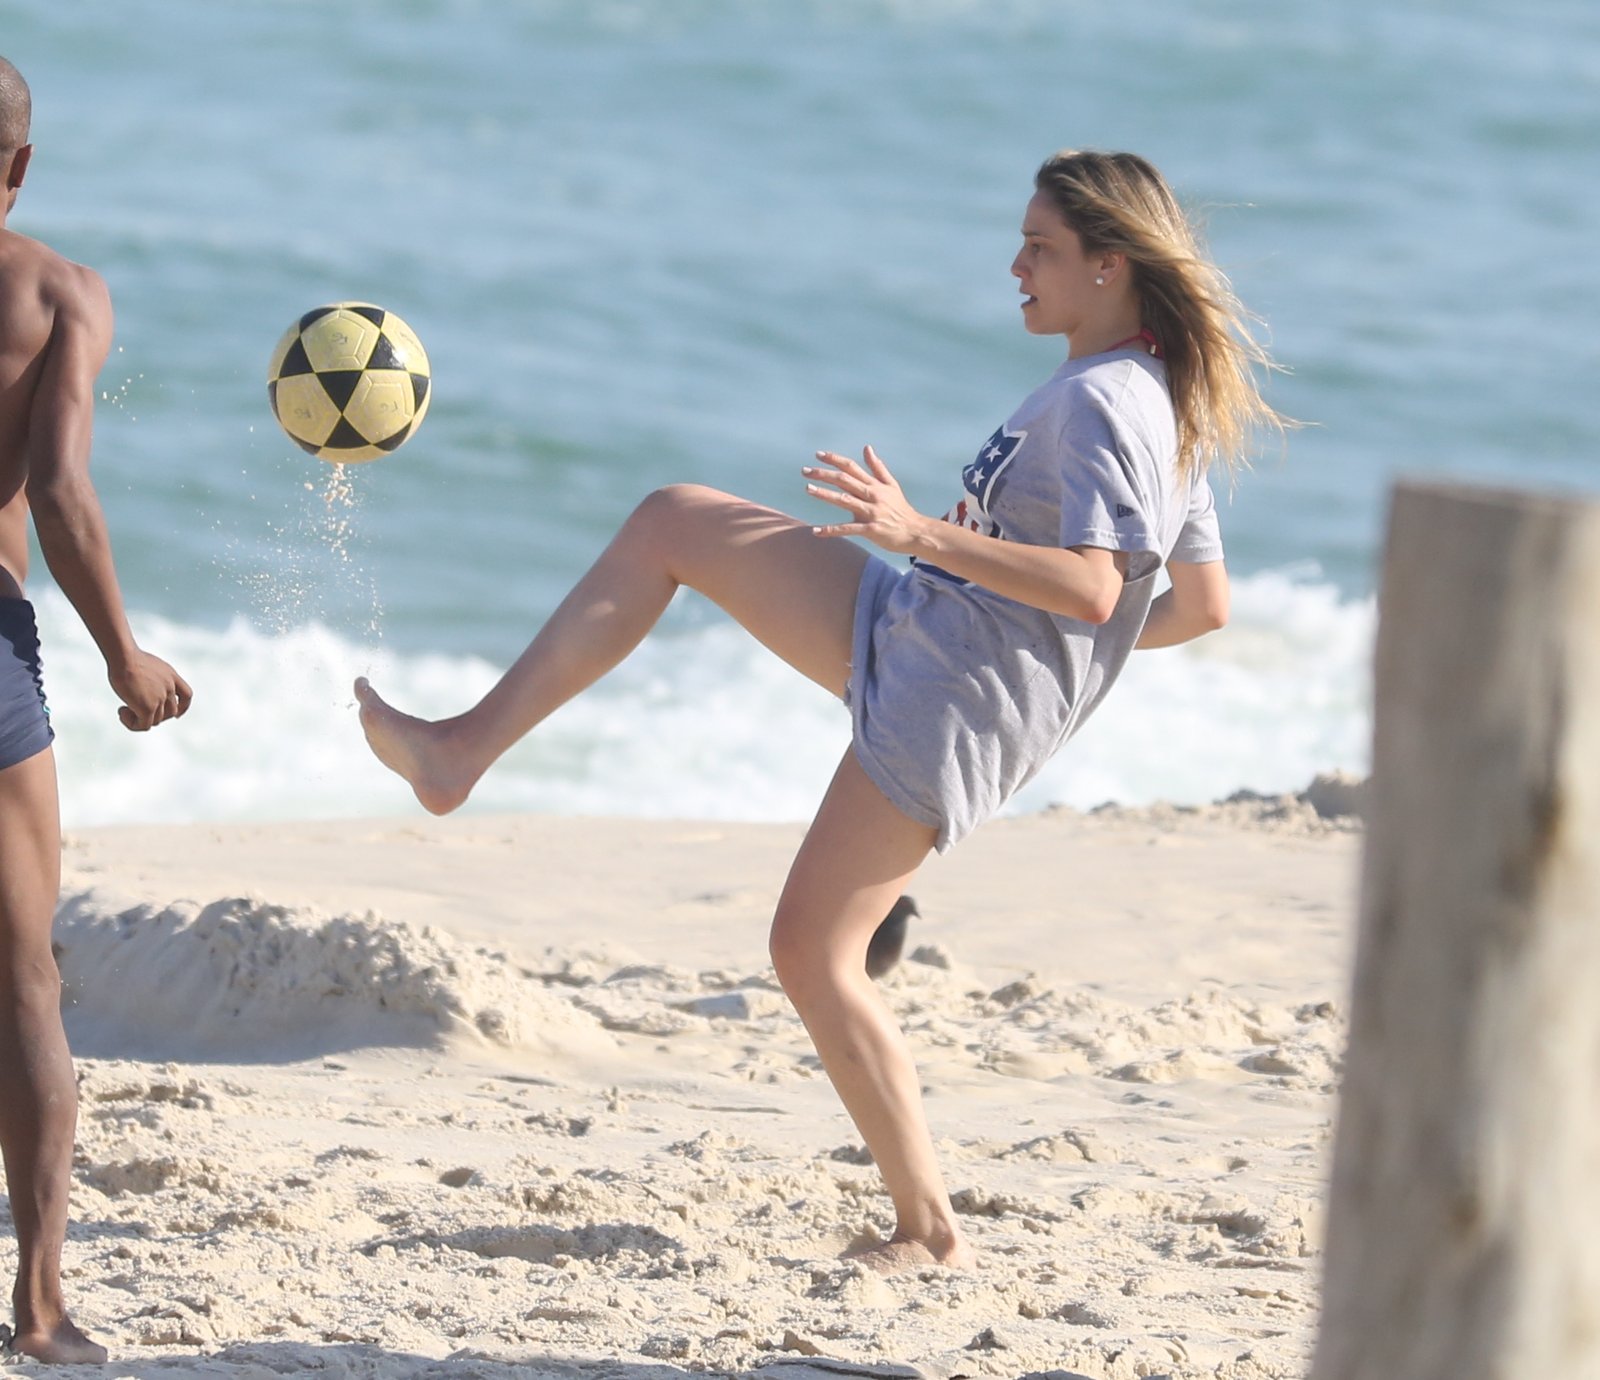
<point>55,333</point>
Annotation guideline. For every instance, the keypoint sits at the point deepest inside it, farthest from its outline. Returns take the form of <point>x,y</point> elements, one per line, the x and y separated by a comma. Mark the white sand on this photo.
<point>500,1097</point>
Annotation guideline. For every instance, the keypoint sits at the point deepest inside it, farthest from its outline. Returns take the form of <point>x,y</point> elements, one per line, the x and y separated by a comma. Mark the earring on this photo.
<point>1099,282</point>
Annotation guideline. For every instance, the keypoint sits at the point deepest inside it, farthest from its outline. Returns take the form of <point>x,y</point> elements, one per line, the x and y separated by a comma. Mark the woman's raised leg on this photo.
<point>791,589</point>
<point>857,857</point>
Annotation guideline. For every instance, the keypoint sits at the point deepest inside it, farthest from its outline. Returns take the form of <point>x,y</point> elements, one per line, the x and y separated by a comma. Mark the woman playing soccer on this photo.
<point>966,672</point>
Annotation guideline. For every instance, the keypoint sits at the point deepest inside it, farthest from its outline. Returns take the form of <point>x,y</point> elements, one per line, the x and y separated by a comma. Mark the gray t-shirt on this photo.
<point>959,695</point>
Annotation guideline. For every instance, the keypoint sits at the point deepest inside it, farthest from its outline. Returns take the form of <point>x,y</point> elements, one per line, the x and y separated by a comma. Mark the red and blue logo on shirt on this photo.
<point>981,479</point>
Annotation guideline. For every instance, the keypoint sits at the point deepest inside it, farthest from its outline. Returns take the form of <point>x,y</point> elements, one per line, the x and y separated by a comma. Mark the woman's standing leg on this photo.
<point>791,589</point>
<point>858,855</point>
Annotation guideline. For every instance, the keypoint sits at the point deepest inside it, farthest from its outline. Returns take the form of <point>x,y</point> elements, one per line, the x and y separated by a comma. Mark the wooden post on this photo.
<point>1463,1237</point>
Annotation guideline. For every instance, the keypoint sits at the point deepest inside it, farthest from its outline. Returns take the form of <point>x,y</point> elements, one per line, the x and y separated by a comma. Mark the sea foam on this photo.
<point>699,723</point>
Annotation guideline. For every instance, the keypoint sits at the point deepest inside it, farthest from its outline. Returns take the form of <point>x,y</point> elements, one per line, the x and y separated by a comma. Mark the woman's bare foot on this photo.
<point>415,749</point>
<point>64,1345</point>
<point>898,1254</point>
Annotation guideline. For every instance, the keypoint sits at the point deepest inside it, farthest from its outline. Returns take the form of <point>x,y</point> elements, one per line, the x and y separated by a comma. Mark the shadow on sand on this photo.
<point>358,1361</point>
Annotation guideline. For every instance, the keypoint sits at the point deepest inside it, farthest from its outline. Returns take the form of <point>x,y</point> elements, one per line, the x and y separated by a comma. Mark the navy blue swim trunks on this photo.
<point>24,719</point>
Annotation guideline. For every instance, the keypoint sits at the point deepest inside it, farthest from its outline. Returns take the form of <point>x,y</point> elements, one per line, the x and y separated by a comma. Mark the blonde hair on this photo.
<point>1118,202</point>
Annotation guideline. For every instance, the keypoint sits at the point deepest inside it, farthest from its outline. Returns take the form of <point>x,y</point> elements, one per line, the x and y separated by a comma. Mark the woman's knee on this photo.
<point>673,504</point>
<point>783,950</point>
<point>665,519</point>
<point>802,961</point>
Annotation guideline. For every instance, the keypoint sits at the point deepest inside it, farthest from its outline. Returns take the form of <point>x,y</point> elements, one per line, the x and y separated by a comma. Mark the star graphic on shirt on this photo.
<point>982,476</point>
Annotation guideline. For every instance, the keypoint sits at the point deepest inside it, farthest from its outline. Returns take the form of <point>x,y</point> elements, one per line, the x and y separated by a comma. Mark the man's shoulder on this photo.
<point>28,264</point>
<point>45,297</point>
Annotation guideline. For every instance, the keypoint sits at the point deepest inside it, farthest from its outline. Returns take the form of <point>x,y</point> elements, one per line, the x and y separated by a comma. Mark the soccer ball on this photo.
<point>349,382</point>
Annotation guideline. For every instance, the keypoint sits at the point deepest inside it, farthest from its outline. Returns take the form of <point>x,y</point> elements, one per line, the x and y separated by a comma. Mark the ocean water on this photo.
<point>658,240</point>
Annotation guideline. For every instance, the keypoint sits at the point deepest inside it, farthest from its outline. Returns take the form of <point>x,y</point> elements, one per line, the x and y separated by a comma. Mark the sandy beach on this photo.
<point>500,1096</point>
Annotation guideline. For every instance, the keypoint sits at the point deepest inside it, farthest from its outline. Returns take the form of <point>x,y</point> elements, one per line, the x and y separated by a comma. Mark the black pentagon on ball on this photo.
<point>384,355</point>
<point>345,437</point>
<point>315,314</point>
<point>339,384</point>
<point>376,315</point>
<point>392,443</point>
<point>295,361</point>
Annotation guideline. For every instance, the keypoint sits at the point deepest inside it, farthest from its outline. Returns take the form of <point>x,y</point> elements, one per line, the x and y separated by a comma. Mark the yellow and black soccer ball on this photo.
<point>349,381</point>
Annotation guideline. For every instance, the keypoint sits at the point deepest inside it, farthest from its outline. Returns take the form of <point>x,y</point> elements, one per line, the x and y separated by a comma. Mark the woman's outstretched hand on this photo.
<point>870,494</point>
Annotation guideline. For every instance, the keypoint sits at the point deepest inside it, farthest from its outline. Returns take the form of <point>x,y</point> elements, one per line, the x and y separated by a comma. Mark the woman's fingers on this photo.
<point>878,468</point>
<point>873,470</point>
<point>846,465</point>
<point>839,500</point>
<point>849,483</point>
<point>841,481</point>
<point>841,529</point>
<point>870,495</point>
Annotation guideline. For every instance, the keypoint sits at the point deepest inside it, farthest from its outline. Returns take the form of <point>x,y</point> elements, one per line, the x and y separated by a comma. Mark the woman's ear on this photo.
<point>1111,263</point>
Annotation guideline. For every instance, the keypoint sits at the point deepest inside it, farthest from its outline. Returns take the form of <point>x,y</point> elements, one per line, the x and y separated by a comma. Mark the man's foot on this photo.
<point>63,1346</point>
<point>414,749</point>
<point>897,1256</point>
<point>889,940</point>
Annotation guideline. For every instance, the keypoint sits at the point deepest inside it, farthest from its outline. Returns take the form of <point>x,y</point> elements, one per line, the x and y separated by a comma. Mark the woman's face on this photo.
<point>1056,277</point>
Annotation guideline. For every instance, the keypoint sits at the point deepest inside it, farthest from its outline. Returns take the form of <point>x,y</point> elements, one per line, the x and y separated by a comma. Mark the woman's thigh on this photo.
<point>793,590</point>
<point>857,857</point>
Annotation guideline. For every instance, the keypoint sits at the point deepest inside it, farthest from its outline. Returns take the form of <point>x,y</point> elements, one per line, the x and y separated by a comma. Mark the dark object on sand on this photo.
<point>890,939</point>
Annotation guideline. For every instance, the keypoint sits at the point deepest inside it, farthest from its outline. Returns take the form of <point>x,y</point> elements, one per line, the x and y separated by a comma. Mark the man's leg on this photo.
<point>38,1094</point>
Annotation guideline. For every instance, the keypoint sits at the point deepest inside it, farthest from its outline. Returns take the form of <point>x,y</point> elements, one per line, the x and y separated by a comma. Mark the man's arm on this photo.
<point>66,511</point>
<point>1196,604</point>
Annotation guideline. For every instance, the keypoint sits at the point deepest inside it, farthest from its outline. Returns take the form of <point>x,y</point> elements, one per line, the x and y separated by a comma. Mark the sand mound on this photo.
<point>246,980</point>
